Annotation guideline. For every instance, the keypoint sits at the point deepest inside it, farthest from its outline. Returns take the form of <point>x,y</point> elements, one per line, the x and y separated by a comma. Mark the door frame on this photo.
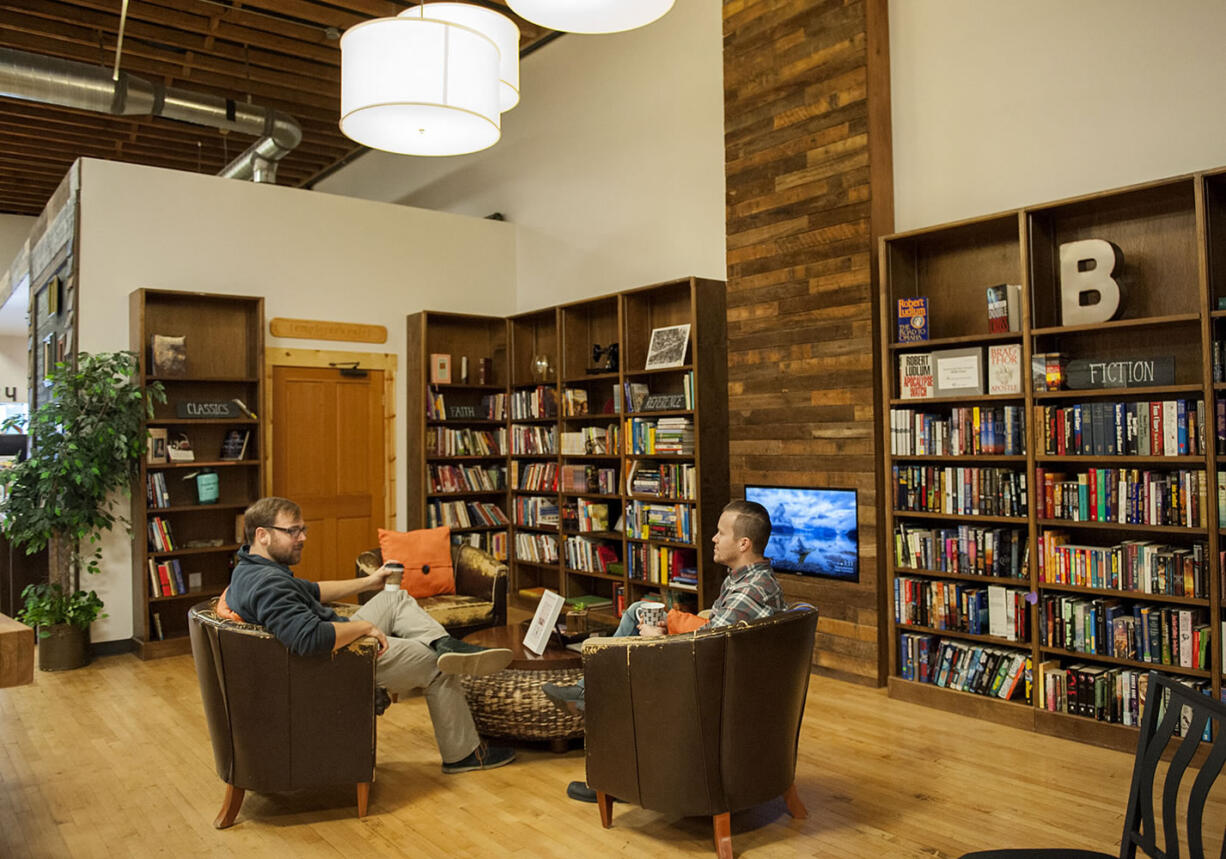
<point>323,359</point>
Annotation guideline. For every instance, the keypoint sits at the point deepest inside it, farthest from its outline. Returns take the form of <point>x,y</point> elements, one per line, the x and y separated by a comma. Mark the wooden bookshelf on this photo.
<point>225,355</point>
<point>1172,235</point>
<point>459,489</point>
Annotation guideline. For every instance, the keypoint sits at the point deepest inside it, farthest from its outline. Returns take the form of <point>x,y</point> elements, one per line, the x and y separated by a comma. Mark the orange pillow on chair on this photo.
<point>426,555</point>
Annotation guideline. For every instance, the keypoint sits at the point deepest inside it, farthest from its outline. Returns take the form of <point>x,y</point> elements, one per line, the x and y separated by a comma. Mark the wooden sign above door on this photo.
<point>319,329</point>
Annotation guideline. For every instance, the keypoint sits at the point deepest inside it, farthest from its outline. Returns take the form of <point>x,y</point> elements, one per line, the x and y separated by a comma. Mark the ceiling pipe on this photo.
<point>66,83</point>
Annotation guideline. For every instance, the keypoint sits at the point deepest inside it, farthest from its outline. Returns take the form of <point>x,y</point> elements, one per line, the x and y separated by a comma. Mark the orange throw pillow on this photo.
<point>224,611</point>
<point>682,621</point>
<point>426,555</point>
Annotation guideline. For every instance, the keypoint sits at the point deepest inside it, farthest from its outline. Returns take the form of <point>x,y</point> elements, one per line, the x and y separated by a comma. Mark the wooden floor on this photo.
<point>114,760</point>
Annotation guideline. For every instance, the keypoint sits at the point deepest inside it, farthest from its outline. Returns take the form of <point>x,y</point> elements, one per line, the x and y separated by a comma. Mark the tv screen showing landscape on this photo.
<point>813,531</point>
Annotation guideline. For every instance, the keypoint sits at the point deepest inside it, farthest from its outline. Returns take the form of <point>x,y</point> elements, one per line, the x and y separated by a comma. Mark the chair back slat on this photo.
<point>1209,771</point>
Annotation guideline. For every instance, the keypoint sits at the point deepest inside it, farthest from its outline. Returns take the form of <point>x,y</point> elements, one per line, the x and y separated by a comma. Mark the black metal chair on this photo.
<point>1157,729</point>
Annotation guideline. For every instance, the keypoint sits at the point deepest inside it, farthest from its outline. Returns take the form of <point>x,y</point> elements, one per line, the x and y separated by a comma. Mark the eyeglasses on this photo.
<point>294,532</point>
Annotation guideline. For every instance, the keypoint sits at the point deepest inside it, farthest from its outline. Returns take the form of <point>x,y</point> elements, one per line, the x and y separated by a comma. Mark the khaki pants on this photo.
<point>409,663</point>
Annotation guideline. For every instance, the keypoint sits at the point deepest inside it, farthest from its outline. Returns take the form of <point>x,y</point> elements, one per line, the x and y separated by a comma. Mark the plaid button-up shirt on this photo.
<point>747,594</point>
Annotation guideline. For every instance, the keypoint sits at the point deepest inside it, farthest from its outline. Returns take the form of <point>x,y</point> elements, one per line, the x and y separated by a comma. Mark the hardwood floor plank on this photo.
<point>114,760</point>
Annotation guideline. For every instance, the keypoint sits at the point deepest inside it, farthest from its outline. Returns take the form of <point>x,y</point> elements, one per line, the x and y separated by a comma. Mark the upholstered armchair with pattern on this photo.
<point>480,600</point>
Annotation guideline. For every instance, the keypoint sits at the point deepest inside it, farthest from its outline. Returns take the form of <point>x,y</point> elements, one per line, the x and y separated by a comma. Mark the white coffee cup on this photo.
<point>395,574</point>
<point>652,612</point>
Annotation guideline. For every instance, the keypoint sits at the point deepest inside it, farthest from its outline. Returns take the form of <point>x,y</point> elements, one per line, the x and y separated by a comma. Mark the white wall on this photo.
<point>13,232</point>
<point>611,167</point>
<point>14,368</point>
<point>998,105</point>
<point>312,256</point>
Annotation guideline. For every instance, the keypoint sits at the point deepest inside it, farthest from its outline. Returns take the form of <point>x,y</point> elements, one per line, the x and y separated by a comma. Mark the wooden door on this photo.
<point>328,455</point>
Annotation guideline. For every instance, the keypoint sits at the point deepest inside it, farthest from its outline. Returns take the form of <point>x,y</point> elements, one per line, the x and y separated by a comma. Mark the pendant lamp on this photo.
<point>420,86</point>
<point>590,16</point>
<point>498,27</point>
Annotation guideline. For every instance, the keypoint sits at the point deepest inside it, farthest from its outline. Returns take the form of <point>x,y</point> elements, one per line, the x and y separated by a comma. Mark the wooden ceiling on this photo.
<point>283,54</point>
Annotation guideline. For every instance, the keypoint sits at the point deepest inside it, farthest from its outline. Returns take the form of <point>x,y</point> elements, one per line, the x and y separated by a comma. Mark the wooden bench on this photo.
<point>16,653</point>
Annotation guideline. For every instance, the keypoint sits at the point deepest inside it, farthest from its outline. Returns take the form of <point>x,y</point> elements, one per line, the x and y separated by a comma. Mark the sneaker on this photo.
<point>460,657</point>
<point>483,757</point>
<point>566,698</point>
<point>579,790</point>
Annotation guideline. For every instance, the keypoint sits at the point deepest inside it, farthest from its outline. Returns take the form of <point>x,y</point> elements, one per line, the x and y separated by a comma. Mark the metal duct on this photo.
<point>71,84</point>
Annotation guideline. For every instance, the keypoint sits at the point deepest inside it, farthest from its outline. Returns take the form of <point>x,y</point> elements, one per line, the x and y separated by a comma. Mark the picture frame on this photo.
<point>667,347</point>
<point>440,368</point>
<point>957,372</point>
<point>156,452</point>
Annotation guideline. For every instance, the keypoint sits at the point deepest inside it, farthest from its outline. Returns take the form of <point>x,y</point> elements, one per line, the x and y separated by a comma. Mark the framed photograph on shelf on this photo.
<point>440,368</point>
<point>156,452</point>
<point>667,347</point>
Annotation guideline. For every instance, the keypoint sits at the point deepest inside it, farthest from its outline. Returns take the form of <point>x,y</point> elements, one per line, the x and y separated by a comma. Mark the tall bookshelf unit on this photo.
<point>1094,515</point>
<point>457,442</point>
<point>568,422</point>
<point>225,357</point>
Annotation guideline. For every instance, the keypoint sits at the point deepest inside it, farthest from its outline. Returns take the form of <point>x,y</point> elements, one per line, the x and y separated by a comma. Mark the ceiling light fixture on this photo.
<point>498,27</point>
<point>423,84</point>
<point>591,16</point>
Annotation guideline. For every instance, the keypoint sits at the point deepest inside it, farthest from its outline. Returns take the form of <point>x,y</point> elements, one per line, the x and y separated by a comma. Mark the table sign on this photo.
<point>536,638</point>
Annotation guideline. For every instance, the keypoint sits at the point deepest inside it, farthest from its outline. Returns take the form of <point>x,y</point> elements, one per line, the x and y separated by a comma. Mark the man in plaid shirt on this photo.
<point>750,590</point>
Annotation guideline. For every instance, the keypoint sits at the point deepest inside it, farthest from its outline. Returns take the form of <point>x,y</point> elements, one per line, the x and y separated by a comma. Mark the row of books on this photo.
<point>1154,428</point>
<point>666,479</point>
<point>156,493</point>
<point>161,538</point>
<point>993,610</point>
<point>1104,693</point>
<point>1132,565</point>
<point>494,542</point>
<point>1136,631</point>
<point>648,521</point>
<point>464,514</point>
<point>662,564</point>
<point>540,402</point>
<point>166,578</point>
<point>536,511</point>
<point>993,672</point>
<point>592,479</point>
<point>441,441</point>
<point>574,402</point>
<point>590,515</point>
<point>964,431</point>
<point>534,476</point>
<point>1124,495</point>
<point>590,556</point>
<point>467,478</point>
<point>674,436</point>
<point>592,441</point>
<point>959,490</point>
<point>534,440</point>
<point>493,407</point>
<point>967,550</point>
<point>536,548</point>
<point>640,398</point>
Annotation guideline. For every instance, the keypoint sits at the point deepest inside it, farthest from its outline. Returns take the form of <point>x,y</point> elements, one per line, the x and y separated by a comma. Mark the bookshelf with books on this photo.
<point>204,465</point>
<point>457,448</point>
<point>1089,459</point>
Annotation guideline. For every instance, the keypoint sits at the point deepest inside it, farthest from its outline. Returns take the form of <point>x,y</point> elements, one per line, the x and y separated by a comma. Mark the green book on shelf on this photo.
<point>588,601</point>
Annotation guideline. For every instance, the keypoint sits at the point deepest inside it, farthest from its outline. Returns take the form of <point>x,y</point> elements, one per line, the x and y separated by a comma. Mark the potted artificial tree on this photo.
<point>86,443</point>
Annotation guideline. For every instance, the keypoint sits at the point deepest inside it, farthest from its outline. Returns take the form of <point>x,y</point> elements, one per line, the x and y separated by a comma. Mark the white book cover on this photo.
<point>1005,369</point>
<point>998,622</point>
<point>1185,638</point>
<point>1170,428</point>
<point>1013,295</point>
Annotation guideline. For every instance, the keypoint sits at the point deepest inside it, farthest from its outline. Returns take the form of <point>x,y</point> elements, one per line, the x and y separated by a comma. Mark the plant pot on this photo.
<point>65,646</point>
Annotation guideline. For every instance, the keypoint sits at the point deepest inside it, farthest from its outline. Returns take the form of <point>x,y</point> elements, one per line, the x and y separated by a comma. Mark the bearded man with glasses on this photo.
<point>415,651</point>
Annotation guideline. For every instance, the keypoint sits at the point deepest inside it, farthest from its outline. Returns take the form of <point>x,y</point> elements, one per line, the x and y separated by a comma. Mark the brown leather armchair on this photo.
<point>705,723</point>
<point>278,721</point>
<point>480,600</point>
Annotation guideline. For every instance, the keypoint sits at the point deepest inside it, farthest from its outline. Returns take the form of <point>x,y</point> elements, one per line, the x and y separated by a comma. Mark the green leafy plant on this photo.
<point>87,441</point>
<point>47,604</point>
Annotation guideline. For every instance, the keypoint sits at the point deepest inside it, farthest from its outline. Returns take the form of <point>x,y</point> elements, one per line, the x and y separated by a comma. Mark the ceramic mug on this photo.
<point>652,612</point>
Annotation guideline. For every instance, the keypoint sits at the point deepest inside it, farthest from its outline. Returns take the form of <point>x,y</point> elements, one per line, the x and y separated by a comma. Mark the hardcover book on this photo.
<point>915,376</point>
<point>912,320</point>
<point>1005,369</point>
<point>998,308</point>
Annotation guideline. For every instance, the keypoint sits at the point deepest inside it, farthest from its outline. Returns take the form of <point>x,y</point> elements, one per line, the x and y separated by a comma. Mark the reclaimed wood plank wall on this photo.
<point>809,190</point>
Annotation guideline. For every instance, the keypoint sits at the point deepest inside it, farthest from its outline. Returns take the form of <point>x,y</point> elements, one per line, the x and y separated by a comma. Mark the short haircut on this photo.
<point>752,521</point>
<point>264,513</point>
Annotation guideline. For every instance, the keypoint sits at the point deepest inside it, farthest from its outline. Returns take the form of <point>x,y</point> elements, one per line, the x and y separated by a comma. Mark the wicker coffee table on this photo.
<point>510,703</point>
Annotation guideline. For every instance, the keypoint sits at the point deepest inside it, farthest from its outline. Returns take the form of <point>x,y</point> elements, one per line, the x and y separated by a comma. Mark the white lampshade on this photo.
<point>498,27</point>
<point>419,87</point>
<point>590,16</point>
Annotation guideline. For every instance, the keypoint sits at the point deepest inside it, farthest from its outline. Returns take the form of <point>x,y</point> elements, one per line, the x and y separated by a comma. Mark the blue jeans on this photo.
<point>629,625</point>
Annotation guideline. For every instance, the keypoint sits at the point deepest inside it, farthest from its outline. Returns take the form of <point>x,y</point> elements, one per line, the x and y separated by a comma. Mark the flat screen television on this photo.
<point>814,532</point>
